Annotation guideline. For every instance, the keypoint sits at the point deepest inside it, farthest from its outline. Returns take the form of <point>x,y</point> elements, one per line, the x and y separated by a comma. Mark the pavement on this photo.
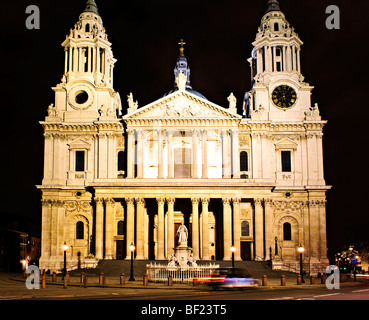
<point>13,285</point>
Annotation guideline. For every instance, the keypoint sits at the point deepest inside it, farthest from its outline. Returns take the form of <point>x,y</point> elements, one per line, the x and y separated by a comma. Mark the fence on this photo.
<point>160,273</point>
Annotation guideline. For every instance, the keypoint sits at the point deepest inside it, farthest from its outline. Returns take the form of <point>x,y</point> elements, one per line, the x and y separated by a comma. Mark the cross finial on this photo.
<point>181,49</point>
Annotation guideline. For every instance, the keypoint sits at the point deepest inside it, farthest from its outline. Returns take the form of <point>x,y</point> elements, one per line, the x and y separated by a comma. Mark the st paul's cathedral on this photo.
<point>116,173</point>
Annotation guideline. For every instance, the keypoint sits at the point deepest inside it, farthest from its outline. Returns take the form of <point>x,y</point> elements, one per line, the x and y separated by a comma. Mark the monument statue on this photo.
<point>182,233</point>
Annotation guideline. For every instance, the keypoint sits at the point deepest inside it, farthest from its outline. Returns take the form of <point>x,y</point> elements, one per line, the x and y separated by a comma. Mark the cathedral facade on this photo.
<point>116,176</point>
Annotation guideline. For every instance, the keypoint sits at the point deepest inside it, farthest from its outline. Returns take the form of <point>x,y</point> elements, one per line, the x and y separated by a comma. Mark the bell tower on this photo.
<point>278,88</point>
<point>86,88</point>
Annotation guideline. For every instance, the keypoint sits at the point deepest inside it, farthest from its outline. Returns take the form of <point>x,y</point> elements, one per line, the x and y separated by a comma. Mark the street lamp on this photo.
<point>301,250</point>
<point>65,248</point>
<point>233,249</point>
<point>132,249</point>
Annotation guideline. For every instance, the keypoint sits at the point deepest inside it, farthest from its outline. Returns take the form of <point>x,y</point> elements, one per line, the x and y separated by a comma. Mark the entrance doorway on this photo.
<point>120,253</point>
<point>245,250</point>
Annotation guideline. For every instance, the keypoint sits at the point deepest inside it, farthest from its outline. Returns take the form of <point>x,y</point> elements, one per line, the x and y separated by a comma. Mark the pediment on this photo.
<point>182,105</point>
<point>285,144</point>
<point>79,144</point>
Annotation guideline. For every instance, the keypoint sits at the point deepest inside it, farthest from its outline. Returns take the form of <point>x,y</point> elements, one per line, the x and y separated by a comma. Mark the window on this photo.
<point>120,228</point>
<point>245,229</point>
<point>79,230</point>
<point>276,26</point>
<point>287,236</point>
<point>121,161</point>
<point>80,161</point>
<point>286,161</point>
<point>244,163</point>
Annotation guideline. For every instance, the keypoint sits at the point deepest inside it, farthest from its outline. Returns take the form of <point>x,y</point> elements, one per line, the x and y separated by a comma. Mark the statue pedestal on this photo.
<point>182,254</point>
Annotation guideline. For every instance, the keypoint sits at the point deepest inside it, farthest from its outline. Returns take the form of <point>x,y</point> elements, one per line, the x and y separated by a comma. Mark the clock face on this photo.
<point>284,96</point>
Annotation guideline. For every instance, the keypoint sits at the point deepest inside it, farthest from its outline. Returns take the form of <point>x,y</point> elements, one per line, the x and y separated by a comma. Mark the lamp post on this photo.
<point>65,248</point>
<point>301,250</point>
<point>132,249</point>
<point>233,249</point>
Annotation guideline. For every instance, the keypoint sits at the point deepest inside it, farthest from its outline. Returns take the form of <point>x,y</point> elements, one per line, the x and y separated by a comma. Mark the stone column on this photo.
<point>227,228</point>
<point>237,228</point>
<point>130,154</point>
<point>204,154</point>
<point>205,229</point>
<point>225,154</point>
<point>140,154</point>
<point>54,228</point>
<point>140,202</point>
<point>170,227</point>
<point>46,229</point>
<point>323,230</point>
<point>161,238</point>
<point>130,225</point>
<point>65,60</point>
<point>160,154</point>
<point>109,230</point>
<point>314,230</point>
<point>269,239</point>
<point>235,155</point>
<point>195,228</point>
<point>99,228</point>
<point>194,173</point>
<point>259,227</point>
<point>170,154</point>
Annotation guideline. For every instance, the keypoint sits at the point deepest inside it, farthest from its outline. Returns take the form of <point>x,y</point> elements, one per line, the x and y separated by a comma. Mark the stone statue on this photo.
<point>232,101</point>
<point>183,234</point>
<point>181,81</point>
<point>132,105</point>
<point>51,110</point>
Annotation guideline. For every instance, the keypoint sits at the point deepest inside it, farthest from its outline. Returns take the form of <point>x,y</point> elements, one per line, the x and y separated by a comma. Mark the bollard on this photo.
<point>65,282</point>
<point>323,278</point>
<point>101,278</point>
<point>85,282</point>
<point>170,280</point>
<point>311,280</point>
<point>299,280</point>
<point>54,277</point>
<point>43,283</point>
<point>67,277</point>
<point>122,279</point>
<point>283,281</point>
<point>83,275</point>
<point>264,281</point>
<point>145,279</point>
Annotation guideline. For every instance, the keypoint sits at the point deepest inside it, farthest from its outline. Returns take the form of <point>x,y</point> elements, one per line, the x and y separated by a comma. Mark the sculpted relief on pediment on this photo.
<point>181,108</point>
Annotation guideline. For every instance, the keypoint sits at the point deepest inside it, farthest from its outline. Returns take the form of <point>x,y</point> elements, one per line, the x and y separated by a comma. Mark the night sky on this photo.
<point>218,34</point>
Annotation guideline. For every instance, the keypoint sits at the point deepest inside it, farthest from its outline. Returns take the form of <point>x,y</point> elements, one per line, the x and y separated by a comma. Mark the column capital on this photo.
<point>140,201</point>
<point>204,132</point>
<point>236,200</point>
<point>99,201</point>
<point>226,201</point>
<point>224,132</point>
<point>130,201</point>
<point>160,200</point>
<point>205,201</point>
<point>268,202</point>
<point>109,202</point>
<point>169,132</point>
<point>258,202</point>
<point>171,200</point>
<point>234,131</point>
<point>195,200</point>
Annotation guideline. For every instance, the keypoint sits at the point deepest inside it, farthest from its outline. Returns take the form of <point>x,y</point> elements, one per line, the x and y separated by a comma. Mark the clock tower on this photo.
<point>278,88</point>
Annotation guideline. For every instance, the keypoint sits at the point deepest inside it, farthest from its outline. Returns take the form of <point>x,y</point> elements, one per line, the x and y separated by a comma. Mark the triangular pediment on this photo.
<point>182,104</point>
<point>285,144</point>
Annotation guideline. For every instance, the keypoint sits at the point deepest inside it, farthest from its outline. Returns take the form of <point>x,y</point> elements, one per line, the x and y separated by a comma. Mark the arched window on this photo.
<point>276,26</point>
<point>244,161</point>
<point>287,235</point>
<point>87,29</point>
<point>245,229</point>
<point>120,228</point>
<point>80,230</point>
